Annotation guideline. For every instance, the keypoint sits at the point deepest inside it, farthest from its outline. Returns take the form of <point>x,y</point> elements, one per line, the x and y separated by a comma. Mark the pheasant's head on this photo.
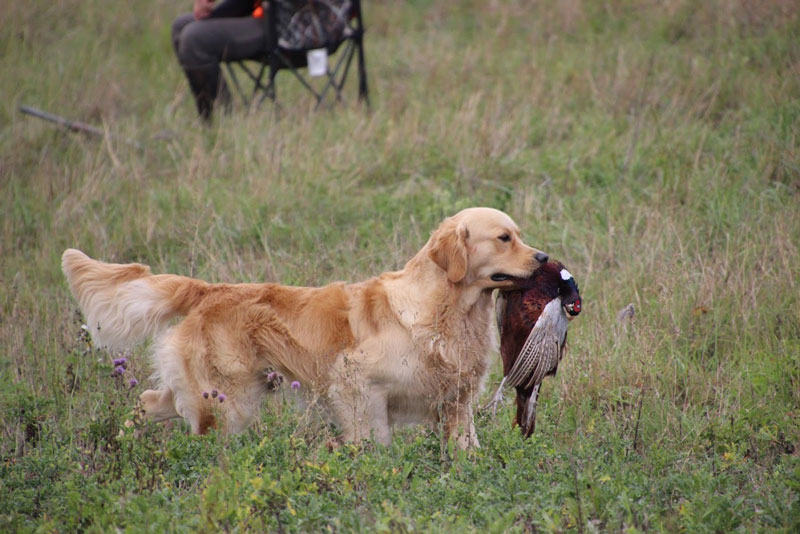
<point>568,291</point>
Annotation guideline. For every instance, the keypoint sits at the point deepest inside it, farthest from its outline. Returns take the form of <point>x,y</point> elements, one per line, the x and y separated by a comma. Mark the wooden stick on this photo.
<point>75,126</point>
<point>71,125</point>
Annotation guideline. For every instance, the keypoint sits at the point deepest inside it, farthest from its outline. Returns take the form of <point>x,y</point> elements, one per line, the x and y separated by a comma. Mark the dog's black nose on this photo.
<point>541,257</point>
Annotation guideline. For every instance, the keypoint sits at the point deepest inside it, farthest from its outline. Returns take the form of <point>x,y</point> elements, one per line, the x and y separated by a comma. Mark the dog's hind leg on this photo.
<point>361,412</point>
<point>179,394</point>
<point>196,412</point>
<point>243,403</point>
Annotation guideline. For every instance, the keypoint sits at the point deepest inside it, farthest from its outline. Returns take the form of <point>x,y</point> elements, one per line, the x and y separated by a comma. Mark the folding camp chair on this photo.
<point>295,28</point>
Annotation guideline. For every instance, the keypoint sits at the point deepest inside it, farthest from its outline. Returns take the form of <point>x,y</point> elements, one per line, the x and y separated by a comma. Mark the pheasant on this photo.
<point>533,324</point>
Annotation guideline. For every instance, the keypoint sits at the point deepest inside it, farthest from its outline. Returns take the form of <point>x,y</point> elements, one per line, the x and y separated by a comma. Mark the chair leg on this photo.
<point>235,80</point>
<point>345,57</point>
<point>268,91</point>
<point>278,61</point>
<point>297,75</point>
<point>258,85</point>
<point>363,90</point>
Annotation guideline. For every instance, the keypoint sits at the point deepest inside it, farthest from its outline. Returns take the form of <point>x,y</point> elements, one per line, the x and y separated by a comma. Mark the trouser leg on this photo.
<point>201,45</point>
<point>204,82</point>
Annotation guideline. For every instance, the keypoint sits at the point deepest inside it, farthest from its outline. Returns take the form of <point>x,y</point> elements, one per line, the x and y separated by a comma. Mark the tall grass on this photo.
<point>650,146</point>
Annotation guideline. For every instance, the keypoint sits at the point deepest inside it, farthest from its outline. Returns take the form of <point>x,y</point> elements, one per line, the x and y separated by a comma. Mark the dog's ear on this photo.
<point>449,250</point>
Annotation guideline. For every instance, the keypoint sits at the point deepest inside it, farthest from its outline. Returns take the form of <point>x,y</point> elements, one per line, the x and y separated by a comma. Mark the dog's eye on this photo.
<point>505,238</point>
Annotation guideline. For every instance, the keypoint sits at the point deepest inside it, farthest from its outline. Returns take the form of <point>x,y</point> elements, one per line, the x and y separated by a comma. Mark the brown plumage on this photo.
<point>533,333</point>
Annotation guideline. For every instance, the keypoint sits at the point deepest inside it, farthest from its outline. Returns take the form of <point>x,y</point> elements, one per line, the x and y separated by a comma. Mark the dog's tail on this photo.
<point>124,303</point>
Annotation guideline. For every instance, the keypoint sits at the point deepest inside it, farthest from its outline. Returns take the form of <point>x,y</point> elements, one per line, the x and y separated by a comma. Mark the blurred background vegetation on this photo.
<point>652,146</point>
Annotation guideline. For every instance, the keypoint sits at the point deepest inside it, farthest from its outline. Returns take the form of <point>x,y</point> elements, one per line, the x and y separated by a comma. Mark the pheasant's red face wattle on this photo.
<point>573,307</point>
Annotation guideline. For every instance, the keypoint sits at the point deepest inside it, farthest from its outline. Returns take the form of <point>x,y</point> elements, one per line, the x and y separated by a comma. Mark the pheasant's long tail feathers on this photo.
<point>529,421</point>
<point>124,303</point>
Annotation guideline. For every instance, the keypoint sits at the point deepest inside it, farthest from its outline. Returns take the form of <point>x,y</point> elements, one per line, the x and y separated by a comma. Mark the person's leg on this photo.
<point>202,44</point>
<point>197,78</point>
<point>177,27</point>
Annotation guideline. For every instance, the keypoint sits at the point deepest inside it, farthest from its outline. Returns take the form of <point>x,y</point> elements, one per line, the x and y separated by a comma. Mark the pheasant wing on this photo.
<point>542,349</point>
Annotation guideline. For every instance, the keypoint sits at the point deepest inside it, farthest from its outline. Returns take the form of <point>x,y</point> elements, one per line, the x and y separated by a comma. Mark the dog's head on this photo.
<point>482,247</point>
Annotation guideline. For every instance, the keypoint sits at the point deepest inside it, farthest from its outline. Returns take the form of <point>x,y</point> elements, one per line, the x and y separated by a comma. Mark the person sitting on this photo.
<point>210,35</point>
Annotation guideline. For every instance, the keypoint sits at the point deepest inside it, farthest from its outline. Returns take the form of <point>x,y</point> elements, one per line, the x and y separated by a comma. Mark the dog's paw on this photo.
<point>158,405</point>
<point>148,401</point>
<point>333,444</point>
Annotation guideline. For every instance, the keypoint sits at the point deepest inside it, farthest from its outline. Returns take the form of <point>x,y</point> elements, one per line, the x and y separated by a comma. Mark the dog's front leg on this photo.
<point>378,414</point>
<point>459,425</point>
<point>361,412</point>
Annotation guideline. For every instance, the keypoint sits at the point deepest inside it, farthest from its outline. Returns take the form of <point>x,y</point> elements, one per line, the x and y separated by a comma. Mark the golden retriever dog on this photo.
<point>410,346</point>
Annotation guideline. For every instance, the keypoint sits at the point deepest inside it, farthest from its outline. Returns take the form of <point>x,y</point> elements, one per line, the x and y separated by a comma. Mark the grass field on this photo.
<point>653,147</point>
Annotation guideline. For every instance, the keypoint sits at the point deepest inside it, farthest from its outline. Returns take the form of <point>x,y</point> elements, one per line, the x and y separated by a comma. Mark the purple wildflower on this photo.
<point>121,362</point>
<point>221,397</point>
<point>205,394</point>
<point>214,393</point>
<point>295,385</point>
<point>272,376</point>
<point>119,370</point>
<point>133,382</point>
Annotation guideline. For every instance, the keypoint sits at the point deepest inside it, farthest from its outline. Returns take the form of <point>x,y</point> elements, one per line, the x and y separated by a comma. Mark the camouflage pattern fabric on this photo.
<point>308,24</point>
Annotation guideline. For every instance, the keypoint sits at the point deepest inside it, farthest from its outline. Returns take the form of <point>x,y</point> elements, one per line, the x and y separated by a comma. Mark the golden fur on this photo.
<point>410,346</point>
